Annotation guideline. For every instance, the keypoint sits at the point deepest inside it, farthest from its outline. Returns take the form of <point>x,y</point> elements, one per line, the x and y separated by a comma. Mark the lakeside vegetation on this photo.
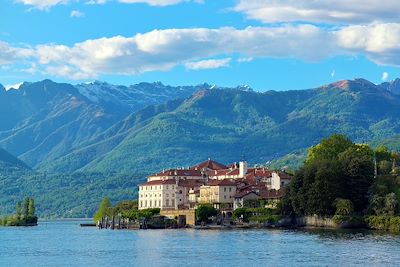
<point>349,182</point>
<point>25,214</point>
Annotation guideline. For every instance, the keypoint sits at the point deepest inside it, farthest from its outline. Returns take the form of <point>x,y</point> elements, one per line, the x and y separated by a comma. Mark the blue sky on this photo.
<point>263,43</point>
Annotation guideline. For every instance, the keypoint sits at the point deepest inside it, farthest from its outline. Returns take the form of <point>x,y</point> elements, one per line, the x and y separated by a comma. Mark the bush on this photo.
<point>387,223</point>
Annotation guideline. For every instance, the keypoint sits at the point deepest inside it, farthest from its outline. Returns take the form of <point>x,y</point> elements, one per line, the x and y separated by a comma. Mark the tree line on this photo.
<point>342,178</point>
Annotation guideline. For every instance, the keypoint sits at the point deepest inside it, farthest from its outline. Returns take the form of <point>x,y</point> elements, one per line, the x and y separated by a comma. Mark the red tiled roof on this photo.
<point>284,176</point>
<point>209,164</point>
<point>159,182</point>
<point>178,172</point>
<point>190,183</point>
<point>218,172</point>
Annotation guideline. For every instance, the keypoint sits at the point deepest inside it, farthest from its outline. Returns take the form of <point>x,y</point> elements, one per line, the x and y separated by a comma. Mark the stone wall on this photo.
<point>190,215</point>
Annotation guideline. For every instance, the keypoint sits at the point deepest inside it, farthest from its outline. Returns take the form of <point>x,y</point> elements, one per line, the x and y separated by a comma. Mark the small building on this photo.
<point>218,192</point>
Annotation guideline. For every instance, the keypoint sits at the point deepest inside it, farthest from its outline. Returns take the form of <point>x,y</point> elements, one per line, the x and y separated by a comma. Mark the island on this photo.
<point>341,184</point>
<point>25,214</point>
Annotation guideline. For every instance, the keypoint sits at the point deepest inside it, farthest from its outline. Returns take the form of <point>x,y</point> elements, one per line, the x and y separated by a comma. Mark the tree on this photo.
<point>103,209</point>
<point>343,206</point>
<point>329,148</point>
<point>31,208</point>
<point>18,210</point>
<point>335,169</point>
<point>205,211</point>
<point>26,208</point>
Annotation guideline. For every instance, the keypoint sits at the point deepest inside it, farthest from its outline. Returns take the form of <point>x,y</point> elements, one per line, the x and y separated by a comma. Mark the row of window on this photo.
<point>156,203</point>
<point>155,195</point>
<point>155,187</point>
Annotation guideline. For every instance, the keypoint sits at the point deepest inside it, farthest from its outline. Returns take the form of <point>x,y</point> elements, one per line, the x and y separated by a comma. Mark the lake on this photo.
<point>64,243</point>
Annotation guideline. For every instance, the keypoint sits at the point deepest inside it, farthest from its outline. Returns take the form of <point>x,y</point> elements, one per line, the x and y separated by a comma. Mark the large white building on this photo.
<point>207,182</point>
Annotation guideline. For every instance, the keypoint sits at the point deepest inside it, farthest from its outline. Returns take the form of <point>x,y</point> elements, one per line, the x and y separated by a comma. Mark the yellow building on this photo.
<point>218,192</point>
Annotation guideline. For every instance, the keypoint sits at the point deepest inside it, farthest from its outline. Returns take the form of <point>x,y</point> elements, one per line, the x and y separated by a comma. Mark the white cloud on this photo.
<point>47,4</point>
<point>42,4</point>
<point>208,64</point>
<point>333,73</point>
<point>161,50</point>
<point>9,54</point>
<point>316,11</point>
<point>379,42</point>
<point>245,59</point>
<point>77,14</point>
<point>153,2</point>
<point>385,76</point>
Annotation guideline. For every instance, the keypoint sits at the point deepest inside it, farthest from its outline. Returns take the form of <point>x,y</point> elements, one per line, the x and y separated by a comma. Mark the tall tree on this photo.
<point>103,210</point>
<point>26,207</point>
<point>31,208</point>
<point>18,210</point>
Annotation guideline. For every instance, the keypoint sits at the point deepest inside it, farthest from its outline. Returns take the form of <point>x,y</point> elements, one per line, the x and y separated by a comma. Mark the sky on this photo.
<point>266,44</point>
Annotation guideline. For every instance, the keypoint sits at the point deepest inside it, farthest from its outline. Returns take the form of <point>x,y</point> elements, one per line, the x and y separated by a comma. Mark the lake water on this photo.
<point>67,244</point>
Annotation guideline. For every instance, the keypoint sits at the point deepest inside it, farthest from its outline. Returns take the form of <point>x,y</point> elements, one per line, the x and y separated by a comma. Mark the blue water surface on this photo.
<point>64,243</point>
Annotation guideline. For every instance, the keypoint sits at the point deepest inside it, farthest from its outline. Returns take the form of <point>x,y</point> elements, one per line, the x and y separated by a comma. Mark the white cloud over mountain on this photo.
<point>320,11</point>
<point>208,64</point>
<point>161,50</point>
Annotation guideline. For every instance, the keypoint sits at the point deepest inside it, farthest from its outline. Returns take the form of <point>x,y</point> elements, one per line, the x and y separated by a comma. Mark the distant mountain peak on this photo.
<point>356,84</point>
<point>392,86</point>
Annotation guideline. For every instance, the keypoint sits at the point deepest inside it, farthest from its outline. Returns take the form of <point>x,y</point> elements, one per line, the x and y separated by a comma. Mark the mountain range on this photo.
<point>131,130</point>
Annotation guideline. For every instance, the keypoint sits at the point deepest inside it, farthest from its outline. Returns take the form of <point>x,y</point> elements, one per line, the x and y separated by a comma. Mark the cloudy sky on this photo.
<point>267,44</point>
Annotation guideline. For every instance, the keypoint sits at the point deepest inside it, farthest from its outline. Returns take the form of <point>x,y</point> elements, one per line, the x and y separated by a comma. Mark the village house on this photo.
<point>210,182</point>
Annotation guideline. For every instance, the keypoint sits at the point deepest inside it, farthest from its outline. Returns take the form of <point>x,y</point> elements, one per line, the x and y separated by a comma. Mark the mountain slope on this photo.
<point>43,121</point>
<point>231,123</point>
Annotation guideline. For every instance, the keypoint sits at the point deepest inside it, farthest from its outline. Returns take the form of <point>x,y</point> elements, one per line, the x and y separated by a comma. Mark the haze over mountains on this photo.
<point>102,128</point>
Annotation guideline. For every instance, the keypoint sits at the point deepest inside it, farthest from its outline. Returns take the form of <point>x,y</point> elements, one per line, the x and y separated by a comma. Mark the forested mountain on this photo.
<point>45,120</point>
<point>231,123</point>
<point>104,138</point>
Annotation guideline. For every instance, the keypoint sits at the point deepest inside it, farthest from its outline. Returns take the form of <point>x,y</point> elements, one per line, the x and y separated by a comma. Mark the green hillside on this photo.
<point>229,124</point>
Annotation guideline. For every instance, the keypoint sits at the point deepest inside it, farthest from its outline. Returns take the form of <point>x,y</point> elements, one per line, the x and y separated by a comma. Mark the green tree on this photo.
<point>203,212</point>
<point>26,208</point>
<point>31,208</point>
<point>343,206</point>
<point>336,168</point>
<point>329,148</point>
<point>18,210</point>
<point>103,209</point>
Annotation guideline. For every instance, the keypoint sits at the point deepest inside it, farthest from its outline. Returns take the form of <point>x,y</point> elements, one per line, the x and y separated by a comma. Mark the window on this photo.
<point>145,203</point>
<point>141,203</point>
<point>224,189</point>
<point>172,202</point>
<point>167,195</point>
<point>173,187</point>
<point>151,187</point>
<point>166,187</point>
<point>230,189</point>
<point>224,197</point>
<point>167,202</point>
<point>159,203</point>
<point>173,195</point>
<point>151,202</point>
